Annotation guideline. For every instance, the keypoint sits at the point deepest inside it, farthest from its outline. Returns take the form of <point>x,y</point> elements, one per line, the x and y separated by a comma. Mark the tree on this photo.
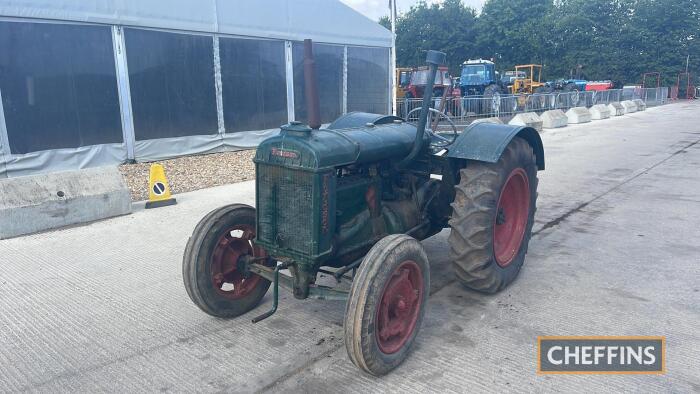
<point>448,27</point>
<point>514,31</point>
<point>621,39</point>
<point>667,32</point>
<point>608,39</point>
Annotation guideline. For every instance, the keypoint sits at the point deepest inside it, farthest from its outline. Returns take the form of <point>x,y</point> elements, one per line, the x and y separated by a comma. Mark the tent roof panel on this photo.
<point>327,21</point>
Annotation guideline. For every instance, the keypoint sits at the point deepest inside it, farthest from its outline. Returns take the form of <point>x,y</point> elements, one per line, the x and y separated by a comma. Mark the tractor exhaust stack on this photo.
<point>311,87</point>
<point>434,59</point>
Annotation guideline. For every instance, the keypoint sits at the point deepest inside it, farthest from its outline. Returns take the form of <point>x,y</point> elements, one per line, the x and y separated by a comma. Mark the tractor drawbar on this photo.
<point>275,293</point>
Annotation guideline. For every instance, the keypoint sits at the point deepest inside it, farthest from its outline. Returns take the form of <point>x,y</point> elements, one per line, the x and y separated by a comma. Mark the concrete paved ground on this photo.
<point>616,252</point>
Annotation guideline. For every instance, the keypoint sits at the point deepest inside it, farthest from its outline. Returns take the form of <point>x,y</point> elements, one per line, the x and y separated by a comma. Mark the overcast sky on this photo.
<point>374,9</point>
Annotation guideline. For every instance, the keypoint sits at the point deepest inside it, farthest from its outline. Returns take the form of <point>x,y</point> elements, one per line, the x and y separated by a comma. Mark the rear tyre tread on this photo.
<point>471,239</point>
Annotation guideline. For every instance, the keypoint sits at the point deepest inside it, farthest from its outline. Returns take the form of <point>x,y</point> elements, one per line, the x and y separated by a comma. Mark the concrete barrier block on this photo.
<point>616,109</point>
<point>488,120</point>
<point>578,115</point>
<point>641,105</point>
<point>630,106</point>
<point>529,119</point>
<point>553,119</point>
<point>599,111</point>
<point>41,202</point>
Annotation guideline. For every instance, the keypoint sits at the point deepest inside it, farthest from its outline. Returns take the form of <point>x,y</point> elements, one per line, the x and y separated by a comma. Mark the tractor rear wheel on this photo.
<point>492,218</point>
<point>213,278</point>
<point>387,304</point>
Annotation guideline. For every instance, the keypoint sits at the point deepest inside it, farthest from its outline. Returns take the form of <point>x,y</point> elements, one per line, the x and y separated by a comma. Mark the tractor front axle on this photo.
<point>318,292</point>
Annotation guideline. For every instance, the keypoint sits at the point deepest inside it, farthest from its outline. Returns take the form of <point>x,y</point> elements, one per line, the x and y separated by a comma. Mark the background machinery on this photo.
<point>599,86</point>
<point>401,80</point>
<point>531,82</point>
<point>683,88</point>
<point>508,78</point>
<point>478,77</point>
<point>352,201</point>
<point>651,80</point>
<point>413,82</point>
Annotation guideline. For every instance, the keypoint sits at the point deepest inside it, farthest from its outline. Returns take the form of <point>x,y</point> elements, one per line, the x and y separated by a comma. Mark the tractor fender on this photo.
<point>487,141</point>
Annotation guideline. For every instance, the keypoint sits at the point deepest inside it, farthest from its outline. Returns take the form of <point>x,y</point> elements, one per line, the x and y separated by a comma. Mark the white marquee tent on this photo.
<point>87,83</point>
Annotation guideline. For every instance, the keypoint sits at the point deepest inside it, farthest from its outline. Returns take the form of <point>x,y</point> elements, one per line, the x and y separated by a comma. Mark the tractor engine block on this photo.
<point>324,198</point>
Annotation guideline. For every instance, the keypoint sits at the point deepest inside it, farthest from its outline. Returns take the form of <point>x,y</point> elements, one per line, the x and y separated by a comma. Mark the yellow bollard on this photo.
<point>158,189</point>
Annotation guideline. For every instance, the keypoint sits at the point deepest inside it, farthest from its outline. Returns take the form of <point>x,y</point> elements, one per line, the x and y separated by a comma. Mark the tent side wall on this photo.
<point>84,90</point>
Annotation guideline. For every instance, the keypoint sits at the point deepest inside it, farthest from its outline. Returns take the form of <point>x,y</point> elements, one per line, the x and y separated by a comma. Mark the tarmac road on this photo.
<point>616,251</point>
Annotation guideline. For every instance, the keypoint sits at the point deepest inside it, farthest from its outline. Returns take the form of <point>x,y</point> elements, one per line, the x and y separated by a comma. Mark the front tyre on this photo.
<point>213,278</point>
<point>387,304</point>
<point>492,218</point>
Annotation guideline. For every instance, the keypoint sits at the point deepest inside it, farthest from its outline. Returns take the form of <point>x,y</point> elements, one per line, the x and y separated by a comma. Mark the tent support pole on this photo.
<point>4,142</point>
<point>345,79</point>
<point>124,90</point>
<point>219,88</point>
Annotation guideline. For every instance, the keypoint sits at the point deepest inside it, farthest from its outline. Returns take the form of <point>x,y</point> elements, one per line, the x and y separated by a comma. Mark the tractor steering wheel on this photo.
<point>437,141</point>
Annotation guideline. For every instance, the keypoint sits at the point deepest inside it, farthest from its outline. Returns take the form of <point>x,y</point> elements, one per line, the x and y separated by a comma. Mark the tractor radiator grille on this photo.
<point>285,206</point>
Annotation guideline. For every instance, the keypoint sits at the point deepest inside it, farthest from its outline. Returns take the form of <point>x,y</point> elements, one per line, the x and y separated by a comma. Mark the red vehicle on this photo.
<point>414,85</point>
<point>598,85</point>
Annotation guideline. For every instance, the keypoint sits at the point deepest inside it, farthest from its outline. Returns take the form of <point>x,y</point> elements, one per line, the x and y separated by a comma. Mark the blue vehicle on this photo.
<point>479,77</point>
<point>579,83</point>
<point>568,85</point>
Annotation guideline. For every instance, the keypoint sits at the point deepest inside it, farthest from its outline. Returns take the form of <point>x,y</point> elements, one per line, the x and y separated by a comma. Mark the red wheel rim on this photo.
<point>228,280</point>
<point>399,307</point>
<point>512,213</point>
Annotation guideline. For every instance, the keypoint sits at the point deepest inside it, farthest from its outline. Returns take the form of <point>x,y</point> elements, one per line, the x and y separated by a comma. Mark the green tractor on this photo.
<point>353,201</point>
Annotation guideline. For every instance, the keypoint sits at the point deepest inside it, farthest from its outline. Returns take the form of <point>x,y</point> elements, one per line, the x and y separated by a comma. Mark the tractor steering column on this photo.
<point>434,59</point>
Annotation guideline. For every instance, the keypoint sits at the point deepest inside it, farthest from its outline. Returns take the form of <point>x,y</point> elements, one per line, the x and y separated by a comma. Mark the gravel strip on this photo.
<point>192,172</point>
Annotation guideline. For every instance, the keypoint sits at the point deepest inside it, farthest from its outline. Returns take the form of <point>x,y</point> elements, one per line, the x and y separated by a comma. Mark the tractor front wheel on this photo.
<point>387,304</point>
<point>213,277</point>
<point>492,218</point>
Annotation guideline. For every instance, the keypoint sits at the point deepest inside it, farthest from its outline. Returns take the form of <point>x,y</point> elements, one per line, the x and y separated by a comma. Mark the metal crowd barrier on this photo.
<point>465,109</point>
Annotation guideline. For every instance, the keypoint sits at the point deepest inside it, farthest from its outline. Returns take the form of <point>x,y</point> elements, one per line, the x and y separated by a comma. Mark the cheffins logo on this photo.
<point>601,355</point>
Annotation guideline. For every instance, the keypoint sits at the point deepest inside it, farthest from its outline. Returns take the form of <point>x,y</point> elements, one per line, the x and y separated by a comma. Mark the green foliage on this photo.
<point>449,27</point>
<point>606,39</point>
<point>511,31</point>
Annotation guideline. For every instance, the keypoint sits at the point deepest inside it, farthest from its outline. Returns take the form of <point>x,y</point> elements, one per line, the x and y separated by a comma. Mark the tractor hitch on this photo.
<point>287,282</point>
<point>275,293</point>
